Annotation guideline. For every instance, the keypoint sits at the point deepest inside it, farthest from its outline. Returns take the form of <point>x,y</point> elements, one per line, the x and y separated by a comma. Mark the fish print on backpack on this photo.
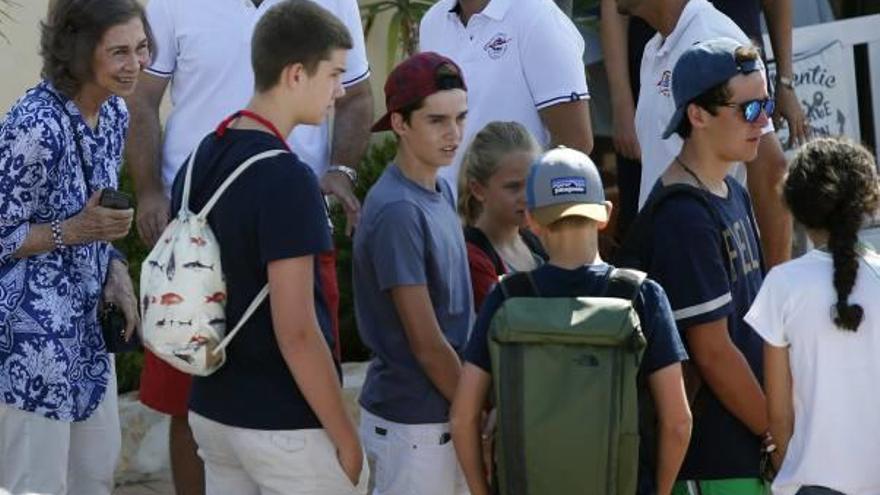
<point>198,265</point>
<point>170,299</point>
<point>217,297</point>
<point>169,270</point>
<point>147,301</point>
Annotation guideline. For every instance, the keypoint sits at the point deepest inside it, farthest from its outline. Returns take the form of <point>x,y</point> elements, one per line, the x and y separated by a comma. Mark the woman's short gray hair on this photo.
<point>72,31</point>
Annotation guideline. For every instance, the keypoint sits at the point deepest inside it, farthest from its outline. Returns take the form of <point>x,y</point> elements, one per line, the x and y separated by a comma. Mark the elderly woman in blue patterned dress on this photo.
<point>60,145</point>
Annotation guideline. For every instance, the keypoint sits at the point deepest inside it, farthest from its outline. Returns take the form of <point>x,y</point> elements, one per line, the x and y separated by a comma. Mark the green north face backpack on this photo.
<point>565,382</point>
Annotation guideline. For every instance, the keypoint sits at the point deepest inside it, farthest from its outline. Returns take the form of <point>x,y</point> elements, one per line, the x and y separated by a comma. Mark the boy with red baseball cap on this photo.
<point>412,286</point>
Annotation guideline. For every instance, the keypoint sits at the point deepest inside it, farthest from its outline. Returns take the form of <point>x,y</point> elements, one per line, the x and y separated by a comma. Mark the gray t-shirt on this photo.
<point>408,235</point>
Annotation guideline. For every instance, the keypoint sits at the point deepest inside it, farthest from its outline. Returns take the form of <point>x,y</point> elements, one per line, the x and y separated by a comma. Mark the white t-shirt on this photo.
<point>836,373</point>
<point>204,47</point>
<point>517,56</point>
<point>699,21</point>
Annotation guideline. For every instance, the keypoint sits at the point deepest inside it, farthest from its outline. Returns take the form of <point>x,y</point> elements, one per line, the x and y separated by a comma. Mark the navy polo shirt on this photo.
<point>273,211</point>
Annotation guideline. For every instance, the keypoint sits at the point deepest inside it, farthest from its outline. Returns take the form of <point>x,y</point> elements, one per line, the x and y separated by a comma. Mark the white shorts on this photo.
<point>244,461</point>
<point>410,459</point>
<point>49,457</point>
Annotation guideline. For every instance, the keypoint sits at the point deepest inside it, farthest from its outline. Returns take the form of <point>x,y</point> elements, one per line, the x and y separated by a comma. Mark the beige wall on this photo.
<point>20,61</point>
<point>19,58</point>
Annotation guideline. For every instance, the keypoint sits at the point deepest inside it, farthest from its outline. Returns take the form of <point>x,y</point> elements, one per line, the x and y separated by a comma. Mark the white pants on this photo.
<point>48,457</point>
<point>244,461</point>
<point>410,459</point>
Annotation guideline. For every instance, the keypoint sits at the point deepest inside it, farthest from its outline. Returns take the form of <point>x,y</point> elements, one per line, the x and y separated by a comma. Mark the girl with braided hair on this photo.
<point>822,339</point>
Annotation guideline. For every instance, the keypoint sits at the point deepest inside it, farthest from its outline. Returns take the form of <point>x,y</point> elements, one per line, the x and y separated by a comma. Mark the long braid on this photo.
<point>842,243</point>
<point>832,185</point>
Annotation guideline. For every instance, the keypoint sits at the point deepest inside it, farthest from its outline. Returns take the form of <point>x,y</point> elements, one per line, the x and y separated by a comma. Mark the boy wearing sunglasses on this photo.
<point>680,24</point>
<point>703,249</point>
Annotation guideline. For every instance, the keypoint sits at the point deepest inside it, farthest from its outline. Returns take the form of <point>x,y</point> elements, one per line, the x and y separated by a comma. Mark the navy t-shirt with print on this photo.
<point>664,346</point>
<point>712,272</point>
<point>272,211</point>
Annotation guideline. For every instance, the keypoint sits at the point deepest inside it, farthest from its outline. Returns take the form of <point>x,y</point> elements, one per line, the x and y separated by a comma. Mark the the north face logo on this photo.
<point>664,85</point>
<point>586,361</point>
<point>497,46</point>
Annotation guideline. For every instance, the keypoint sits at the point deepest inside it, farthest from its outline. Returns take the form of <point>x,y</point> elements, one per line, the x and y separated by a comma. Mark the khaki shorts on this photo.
<point>244,461</point>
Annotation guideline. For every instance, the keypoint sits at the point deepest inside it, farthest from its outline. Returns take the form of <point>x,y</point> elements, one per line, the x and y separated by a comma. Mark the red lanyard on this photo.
<point>221,129</point>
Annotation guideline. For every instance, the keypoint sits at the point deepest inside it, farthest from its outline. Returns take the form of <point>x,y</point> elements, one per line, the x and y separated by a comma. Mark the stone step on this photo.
<point>144,463</point>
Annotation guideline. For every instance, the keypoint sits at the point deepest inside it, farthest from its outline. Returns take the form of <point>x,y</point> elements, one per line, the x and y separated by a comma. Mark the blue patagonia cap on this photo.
<point>702,67</point>
<point>564,182</point>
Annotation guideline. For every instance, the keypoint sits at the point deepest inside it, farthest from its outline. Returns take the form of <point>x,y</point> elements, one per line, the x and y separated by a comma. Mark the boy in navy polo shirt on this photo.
<point>271,420</point>
<point>568,229</point>
<point>703,248</point>
<point>412,285</point>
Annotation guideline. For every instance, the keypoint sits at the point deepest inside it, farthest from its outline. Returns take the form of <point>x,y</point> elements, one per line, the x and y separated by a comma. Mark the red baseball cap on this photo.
<point>415,78</point>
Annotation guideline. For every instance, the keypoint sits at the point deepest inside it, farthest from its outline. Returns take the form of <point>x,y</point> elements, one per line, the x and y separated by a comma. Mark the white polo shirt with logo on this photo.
<point>517,56</point>
<point>204,47</point>
<point>699,21</point>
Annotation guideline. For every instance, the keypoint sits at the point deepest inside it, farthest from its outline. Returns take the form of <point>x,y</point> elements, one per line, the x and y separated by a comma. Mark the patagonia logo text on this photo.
<point>568,185</point>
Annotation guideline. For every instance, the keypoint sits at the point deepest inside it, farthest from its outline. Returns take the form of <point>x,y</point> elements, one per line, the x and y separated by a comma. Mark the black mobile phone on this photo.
<point>117,200</point>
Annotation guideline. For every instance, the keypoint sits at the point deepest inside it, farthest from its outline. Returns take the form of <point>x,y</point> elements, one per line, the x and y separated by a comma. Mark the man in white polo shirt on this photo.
<point>680,24</point>
<point>203,48</point>
<point>522,62</point>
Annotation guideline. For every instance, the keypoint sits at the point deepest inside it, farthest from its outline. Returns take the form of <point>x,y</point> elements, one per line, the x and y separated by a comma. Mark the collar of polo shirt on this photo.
<point>688,15</point>
<point>496,9</point>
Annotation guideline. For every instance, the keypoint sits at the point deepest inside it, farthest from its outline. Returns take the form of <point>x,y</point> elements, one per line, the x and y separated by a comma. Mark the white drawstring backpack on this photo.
<point>183,291</point>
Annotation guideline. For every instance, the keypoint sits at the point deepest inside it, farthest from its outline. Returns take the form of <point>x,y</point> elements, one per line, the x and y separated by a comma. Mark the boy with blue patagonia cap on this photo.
<point>701,244</point>
<point>567,208</point>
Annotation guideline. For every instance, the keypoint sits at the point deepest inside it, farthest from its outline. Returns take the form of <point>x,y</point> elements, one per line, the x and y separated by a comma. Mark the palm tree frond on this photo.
<point>5,16</point>
<point>393,38</point>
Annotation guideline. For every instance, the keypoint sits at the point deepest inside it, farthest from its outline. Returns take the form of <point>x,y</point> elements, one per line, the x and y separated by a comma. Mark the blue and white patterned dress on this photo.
<point>53,361</point>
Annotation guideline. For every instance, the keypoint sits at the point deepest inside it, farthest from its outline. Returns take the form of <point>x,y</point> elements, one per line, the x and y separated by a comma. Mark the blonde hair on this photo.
<point>480,161</point>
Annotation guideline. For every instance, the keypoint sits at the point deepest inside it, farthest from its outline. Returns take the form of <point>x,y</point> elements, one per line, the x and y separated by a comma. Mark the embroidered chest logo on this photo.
<point>568,185</point>
<point>497,45</point>
<point>664,85</point>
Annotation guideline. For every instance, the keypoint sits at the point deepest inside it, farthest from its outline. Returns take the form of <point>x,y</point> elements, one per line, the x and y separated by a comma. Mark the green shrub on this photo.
<point>381,153</point>
<point>128,371</point>
<point>128,364</point>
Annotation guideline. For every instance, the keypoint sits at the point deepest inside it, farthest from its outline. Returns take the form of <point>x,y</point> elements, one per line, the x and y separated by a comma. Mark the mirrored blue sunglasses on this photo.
<point>751,109</point>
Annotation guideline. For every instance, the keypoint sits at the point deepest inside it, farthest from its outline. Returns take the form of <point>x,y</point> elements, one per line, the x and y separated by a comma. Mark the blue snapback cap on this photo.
<point>702,67</point>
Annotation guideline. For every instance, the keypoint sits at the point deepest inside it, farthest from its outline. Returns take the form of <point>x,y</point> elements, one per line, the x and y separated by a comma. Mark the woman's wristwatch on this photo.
<point>784,81</point>
<point>343,169</point>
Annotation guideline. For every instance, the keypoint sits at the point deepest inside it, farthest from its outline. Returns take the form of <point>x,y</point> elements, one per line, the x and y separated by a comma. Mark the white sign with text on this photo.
<point>825,86</point>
